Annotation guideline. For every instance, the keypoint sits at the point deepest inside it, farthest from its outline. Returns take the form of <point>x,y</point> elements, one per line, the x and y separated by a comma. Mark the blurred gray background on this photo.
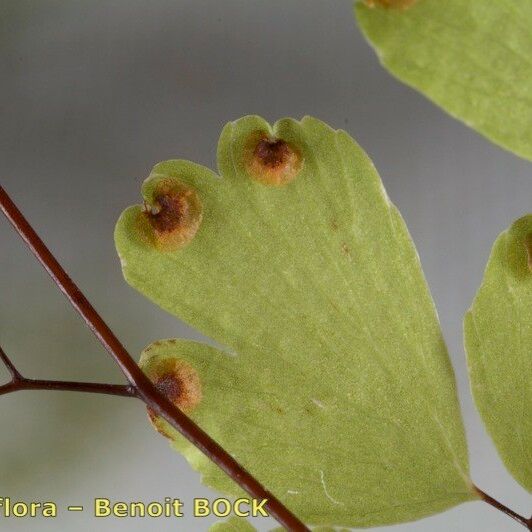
<point>92,94</point>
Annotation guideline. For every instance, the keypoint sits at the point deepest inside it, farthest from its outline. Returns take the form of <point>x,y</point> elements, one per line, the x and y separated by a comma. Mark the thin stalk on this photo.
<point>13,371</point>
<point>146,391</point>
<point>122,390</point>
<point>527,523</point>
<point>18,383</point>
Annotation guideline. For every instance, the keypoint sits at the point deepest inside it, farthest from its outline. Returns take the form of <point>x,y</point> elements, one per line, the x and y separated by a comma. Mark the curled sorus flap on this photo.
<point>333,386</point>
<point>498,337</point>
<point>471,57</point>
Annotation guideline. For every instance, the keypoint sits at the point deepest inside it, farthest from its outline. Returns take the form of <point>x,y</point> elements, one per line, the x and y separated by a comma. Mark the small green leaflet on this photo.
<point>498,337</point>
<point>333,386</point>
<point>471,57</point>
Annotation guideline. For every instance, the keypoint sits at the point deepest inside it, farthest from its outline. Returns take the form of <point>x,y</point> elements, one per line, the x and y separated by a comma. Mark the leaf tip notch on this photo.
<point>271,160</point>
<point>171,214</point>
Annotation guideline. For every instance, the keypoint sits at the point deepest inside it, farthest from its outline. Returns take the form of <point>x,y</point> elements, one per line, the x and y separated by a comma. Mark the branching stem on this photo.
<point>122,390</point>
<point>141,387</point>
<point>15,375</point>
<point>19,383</point>
<point>144,389</point>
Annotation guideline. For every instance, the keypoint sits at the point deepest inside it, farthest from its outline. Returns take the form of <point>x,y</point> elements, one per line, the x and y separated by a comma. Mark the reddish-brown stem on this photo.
<point>527,523</point>
<point>13,371</point>
<point>146,391</point>
<point>21,383</point>
<point>18,383</point>
<point>122,390</point>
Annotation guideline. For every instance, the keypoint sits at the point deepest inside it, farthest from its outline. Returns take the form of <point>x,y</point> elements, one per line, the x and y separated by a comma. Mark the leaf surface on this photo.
<point>333,384</point>
<point>498,336</point>
<point>233,524</point>
<point>471,57</point>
